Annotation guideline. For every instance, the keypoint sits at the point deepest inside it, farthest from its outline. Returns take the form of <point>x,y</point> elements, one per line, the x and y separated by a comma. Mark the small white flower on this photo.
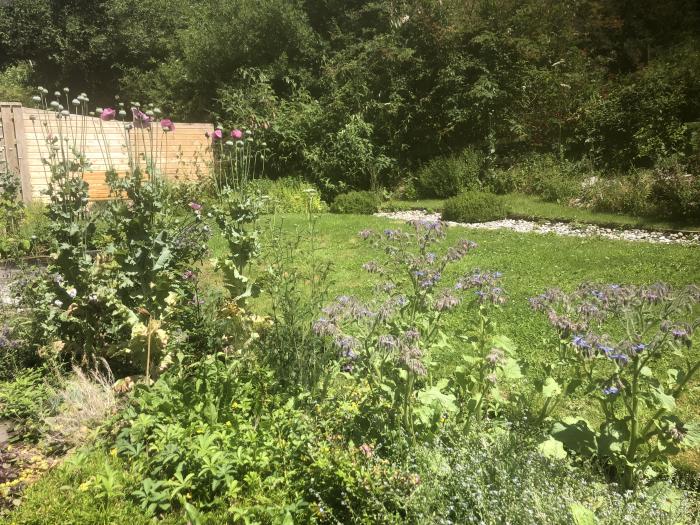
<point>58,303</point>
<point>72,293</point>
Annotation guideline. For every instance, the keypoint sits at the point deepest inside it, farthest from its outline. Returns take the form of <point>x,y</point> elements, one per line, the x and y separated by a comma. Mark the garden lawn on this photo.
<point>531,263</point>
<point>530,207</point>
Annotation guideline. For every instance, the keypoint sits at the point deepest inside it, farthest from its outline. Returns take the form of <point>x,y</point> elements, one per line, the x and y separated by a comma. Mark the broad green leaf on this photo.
<point>576,434</point>
<point>511,369</point>
<point>552,449</point>
<point>664,400</point>
<point>582,515</point>
<point>504,343</point>
<point>434,395</point>
<point>550,388</point>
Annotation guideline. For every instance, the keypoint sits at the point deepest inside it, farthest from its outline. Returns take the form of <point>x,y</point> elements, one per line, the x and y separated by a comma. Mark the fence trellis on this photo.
<point>183,154</point>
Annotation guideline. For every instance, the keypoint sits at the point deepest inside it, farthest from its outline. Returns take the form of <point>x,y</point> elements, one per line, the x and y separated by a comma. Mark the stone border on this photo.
<point>558,228</point>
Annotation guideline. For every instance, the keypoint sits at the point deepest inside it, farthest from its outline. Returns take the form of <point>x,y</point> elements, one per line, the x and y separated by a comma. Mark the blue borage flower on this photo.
<point>611,390</point>
<point>620,359</point>
<point>638,348</point>
<point>580,342</point>
<point>387,341</point>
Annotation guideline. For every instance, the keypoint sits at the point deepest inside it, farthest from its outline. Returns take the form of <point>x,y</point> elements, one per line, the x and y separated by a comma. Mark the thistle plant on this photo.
<point>631,348</point>
<point>389,340</point>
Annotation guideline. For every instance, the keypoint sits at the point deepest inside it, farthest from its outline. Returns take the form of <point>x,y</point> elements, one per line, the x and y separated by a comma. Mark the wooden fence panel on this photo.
<point>13,141</point>
<point>183,154</point>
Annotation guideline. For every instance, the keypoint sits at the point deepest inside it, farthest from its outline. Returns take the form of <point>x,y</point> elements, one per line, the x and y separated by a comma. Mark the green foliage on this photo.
<point>445,177</point>
<point>357,202</point>
<point>496,476</point>
<point>348,158</point>
<point>474,206</point>
<point>296,281</point>
<point>15,83</point>
<point>12,216</point>
<point>289,195</point>
<point>23,401</point>
<point>386,344</point>
<point>675,193</point>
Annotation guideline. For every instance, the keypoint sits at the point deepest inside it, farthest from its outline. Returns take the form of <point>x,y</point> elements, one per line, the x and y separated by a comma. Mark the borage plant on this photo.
<point>630,348</point>
<point>387,342</point>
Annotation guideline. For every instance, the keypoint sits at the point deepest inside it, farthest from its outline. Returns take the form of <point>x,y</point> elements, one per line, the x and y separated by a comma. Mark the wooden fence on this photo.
<point>26,137</point>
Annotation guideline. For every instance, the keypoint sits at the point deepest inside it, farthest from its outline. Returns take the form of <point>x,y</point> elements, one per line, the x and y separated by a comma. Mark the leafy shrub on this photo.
<point>547,176</point>
<point>289,195</point>
<point>623,194</point>
<point>675,193</point>
<point>500,181</point>
<point>474,206</point>
<point>348,158</point>
<point>15,353</point>
<point>445,177</point>
<point>358,202</point>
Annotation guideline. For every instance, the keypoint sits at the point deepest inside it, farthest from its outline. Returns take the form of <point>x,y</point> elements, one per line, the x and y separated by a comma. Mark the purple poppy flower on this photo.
<point>196,207</point>
<point>108,114</point>
<point>217,135</point>
<point>167,125</point>
<point>141,120</point>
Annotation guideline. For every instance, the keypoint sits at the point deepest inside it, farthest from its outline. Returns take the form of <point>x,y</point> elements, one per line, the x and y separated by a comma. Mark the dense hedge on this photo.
<point>357,202</point>
<point>474,206</point>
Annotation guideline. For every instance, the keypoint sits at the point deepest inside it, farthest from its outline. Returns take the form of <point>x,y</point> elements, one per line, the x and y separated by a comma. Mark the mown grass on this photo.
<point>534,208</point>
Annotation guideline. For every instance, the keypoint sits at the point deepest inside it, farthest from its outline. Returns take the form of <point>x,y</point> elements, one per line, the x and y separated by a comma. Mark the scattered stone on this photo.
<point>557,228</point>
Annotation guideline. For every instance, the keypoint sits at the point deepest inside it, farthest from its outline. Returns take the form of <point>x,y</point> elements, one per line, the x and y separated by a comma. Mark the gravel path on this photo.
<point>558,228</point>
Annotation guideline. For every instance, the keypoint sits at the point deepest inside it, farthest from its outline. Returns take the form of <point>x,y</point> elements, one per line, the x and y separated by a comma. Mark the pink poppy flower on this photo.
<point>217,135</point>
<point>237,134</point>
<point>195,206</point>
<point>108,114</point>
<point>167,124</point>
<point>141,120</point>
